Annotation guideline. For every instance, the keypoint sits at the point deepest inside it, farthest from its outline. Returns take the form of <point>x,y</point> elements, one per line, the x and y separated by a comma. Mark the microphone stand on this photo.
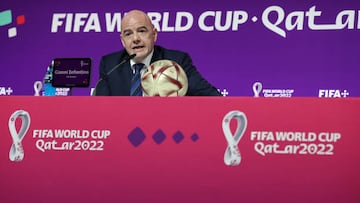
<point>126,58</point>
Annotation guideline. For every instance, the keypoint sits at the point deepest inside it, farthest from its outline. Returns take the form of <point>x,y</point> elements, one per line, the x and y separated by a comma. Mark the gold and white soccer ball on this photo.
<point>164,78</point>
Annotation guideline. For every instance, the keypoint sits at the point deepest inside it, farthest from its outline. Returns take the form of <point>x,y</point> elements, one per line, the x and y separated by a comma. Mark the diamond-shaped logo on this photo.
<point>159,136</point>
<point>178,137</point>
<point>136,137</point>
<point>194,137</point>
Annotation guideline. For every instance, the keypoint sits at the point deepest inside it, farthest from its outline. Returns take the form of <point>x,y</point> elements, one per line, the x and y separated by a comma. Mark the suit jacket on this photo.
<point>118,83</point>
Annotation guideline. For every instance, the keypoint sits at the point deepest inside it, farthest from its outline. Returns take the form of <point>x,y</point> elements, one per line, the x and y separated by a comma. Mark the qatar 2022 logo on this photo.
<point>16,151</point>
<point>7,20</point>
<point>232,156</point>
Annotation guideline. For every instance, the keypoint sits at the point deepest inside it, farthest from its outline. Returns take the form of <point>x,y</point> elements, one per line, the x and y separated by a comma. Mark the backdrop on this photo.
<point>293,48</point>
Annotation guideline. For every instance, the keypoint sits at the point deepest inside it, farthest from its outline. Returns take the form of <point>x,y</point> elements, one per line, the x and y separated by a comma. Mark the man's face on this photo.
<point>138,35</point>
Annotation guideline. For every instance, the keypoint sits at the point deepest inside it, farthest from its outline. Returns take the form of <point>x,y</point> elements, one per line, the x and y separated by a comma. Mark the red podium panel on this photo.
<point>129,149</point>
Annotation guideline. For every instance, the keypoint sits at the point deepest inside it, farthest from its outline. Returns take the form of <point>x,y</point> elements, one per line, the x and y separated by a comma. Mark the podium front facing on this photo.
<point>189,149</point>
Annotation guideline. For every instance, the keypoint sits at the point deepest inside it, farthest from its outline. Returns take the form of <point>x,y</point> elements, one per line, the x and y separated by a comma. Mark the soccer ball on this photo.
<point>164,78</point>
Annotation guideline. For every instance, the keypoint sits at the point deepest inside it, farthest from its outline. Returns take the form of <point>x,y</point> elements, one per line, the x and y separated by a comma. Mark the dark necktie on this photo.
<point>136,81</point>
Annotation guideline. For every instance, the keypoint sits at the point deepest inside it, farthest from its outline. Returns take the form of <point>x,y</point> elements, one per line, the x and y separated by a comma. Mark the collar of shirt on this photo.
<point>146,63</point>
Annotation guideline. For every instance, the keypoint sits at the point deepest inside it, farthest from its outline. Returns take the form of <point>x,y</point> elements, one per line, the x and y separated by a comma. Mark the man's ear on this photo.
<point>122,41</point>
<point>155,34</point>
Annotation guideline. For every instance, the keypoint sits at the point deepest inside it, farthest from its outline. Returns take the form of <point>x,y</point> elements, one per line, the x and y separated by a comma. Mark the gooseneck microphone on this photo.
<point>126,58</point>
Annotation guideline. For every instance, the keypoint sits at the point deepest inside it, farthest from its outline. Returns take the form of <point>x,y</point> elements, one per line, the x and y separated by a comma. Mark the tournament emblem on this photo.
<point>16,151</point>
<point>257,87</point>
<point>232,156</point>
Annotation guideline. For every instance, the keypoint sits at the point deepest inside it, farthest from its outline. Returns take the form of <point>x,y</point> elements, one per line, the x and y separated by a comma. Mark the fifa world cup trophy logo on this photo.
<point>232,156</point>
<point>257,87</point>
<point>16,151</point>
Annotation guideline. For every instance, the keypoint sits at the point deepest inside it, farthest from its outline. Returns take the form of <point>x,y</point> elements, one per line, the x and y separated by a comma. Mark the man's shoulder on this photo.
<point>169,53</point>
<point>116,54</point>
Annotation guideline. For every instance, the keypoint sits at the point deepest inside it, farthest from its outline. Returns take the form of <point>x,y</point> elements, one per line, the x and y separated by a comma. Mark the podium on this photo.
<point>135,149</point>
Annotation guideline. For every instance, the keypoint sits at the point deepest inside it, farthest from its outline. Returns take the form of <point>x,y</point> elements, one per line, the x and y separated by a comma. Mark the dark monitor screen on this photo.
<point>71,72</point>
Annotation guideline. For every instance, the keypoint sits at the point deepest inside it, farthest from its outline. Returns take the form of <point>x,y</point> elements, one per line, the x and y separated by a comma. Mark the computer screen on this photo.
<point>71,72</point>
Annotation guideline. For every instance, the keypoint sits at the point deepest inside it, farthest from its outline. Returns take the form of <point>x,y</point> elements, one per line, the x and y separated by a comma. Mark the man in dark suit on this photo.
<point>138,36</point>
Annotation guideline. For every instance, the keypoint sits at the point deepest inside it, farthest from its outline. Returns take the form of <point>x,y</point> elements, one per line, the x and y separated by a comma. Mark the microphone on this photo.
<point>126,58</point>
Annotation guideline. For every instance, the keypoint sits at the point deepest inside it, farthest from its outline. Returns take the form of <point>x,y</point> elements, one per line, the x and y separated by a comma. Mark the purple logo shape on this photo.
<point>136,137</point>
<point>159,136</point>
<point>178,137</point>
<point>194,137</point>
